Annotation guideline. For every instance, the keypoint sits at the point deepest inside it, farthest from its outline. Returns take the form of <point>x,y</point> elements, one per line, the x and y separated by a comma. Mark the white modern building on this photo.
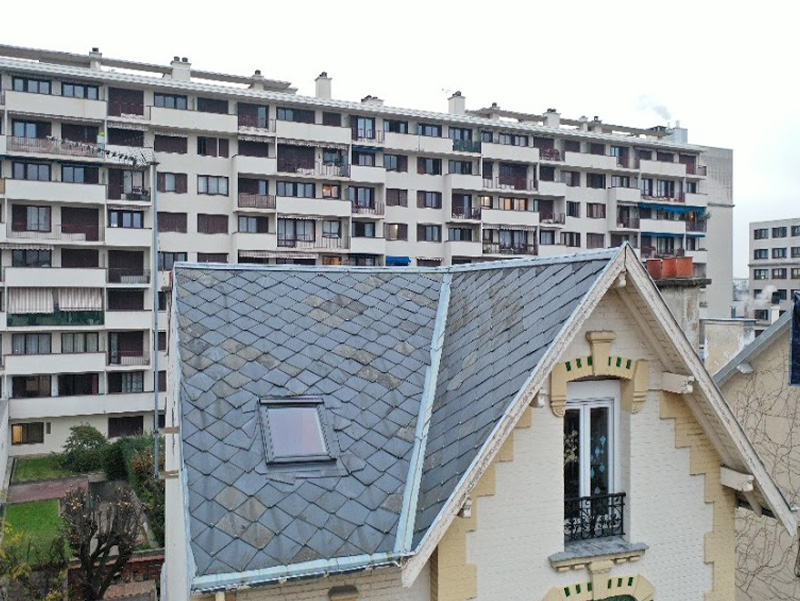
<point>774,269</point>
<point>96,151</point>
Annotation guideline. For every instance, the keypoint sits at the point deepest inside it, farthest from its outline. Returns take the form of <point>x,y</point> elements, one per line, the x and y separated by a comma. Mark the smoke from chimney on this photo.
<point>648,103</point>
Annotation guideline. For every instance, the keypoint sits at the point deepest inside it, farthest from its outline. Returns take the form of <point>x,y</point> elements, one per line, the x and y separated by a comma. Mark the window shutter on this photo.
<point>420,199</point>
<point>161,182</point>
<point>223,147</point>
<point>180,183</point>
<point>420,233</point>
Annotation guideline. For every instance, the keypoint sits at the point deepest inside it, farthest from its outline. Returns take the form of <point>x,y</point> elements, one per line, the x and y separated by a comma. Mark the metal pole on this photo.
<point>154,278</point>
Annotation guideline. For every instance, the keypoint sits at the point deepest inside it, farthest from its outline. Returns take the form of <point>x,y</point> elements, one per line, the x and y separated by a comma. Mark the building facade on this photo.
<point>97,153</point>
<point>774,269</point>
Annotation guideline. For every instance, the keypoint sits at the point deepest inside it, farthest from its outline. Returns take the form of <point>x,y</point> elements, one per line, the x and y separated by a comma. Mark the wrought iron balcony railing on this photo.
<point>594,517</point>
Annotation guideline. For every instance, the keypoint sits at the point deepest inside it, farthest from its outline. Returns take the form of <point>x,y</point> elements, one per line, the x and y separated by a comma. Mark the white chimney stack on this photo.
<point>373,100</point>
<point>181,68</point>
<point>457,104</point>
<point>95,59</point>
<point>552,118</point>
<point>324,86</point>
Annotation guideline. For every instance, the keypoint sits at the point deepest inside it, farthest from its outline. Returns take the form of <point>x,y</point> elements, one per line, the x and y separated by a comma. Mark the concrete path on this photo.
<point>41,491</point>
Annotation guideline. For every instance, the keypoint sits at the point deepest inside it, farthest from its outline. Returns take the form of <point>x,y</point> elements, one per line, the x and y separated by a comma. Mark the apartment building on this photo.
<point>774,269</point>
<point>96,153</point>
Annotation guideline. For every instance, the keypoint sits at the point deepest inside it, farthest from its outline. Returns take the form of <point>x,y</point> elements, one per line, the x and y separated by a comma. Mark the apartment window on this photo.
<point>212,105</point>
<point>125,426</point>
<point>212,224</point>
<point>761,314</point>
<point>30,218</point>
<point>363,159</point>
<point>125,219</point>
<point>30,129</point>
<point>331,119</point>
<point>429,233</point>
<point>571,239</point>
<point>665,189</point>
<point>31,344</point>
<point>32,171</point>
<point>795,273</point>
<point>547,174</point>
<point>796,230</point>
<point>573,209</point>
<point>79,133</point>
<point>511,203</point>
<point>172,222</point>
<point>430,130</point>
<point>80,342</point>
<point>761,274</point>
<point>125,137</point>
<point>363,229</point>
<point>620,181</point>
<point>571,178</point>
<point>396,231</point>
<point>291,231</point>
<point>779,253</point>
<point>665,157</point>
<point>779,232</point>
<point>487,136</point>
<point>171,101</point>
<point>572,146</point>
<point>460,133</point>
<point>429,200</point>
<point>429,166</point>
<point>782,294</point>
<point>162,301</point>
<point>297,115</point>
<point>212,147</point>
<point>761,233</point>
<point>462,167</point>
<point>760,253</point>
<point>330,156</point>
<point>363,127</point>
<point>162,387</point>
<point>31,257</point>
<point>253,225</point>
<point>30,387</point>
<point>211,258</point>
<point>212,185</point>
<point>331,229</point>
<point>77,384</point>
<point>121,299</point>
<point>646,186</point>
<point>361,197</point>
<point>395,162</point>
<point>690,187</point>
<point>248,148</point>
<point>459,234</point>
<point>795,252</point>
<point>27,433</point>
<point>176,183</point>
<point>174,144</point>
<point>31,85</point>
<point>126,382</point>
<point>395,127</point>
<point>79,174</point>
<point>596,180</point>
<point>166,260</point>
<point>396,197</point>
<point>513,139</point>
<point>296,189</point>
<point>595,240</point>
<point>595,210</point>
<point>779,273</point>
<point>331,191</point>
<point>80,90</point>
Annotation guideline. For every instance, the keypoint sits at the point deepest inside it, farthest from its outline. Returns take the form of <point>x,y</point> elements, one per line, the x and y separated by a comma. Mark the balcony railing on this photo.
<point>594,517</point>
<point>628,222</point>
<point>324,243</point>
<point>696,226</point>
<point>466,213</point>
<point>52,146</point>
<point>141,357</point>
<point>550,154</point>
<point>66,231</point>
<point>375,208</point>
<point>499,248</point>
<point>367,135</point>
<point>256,201</point>
<point>650,252</point>
<point>466,146</point>
<point>509,183</point>
<point>127,275</point>
<point>557,218</point>
<point>59,318</point>
<point>254,122</point>
<point>676,197</point>
<point>329,169</point>
<point>2,185</point>
<point>138,193</point>
<point>127,109</point>
<point>694,169</point>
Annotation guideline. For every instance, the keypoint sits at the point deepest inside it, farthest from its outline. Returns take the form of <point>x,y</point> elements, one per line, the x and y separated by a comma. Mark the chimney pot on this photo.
<point>185,60</point>
<point>95,49</point>
<point>258,72</point>
<point>176,59</point>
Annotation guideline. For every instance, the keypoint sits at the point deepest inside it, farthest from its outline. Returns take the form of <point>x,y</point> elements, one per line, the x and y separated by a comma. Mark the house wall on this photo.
<point>521,524</point>
<point>769,410</point>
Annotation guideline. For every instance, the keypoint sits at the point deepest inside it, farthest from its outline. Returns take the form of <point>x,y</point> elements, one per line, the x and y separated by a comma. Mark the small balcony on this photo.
<point>133,193</point>
<point>127,275</point>
<point>375,208</point>
<point>467,146</point>
<point>694,169</point>
<point>324,243</point>
<point>552,218</point>
<point>550,154</point>
<point>499,248</point>
<point>509,183</point>
<point>467,213</point>
<point>368,136</point>
<point>594,517</point>
<point>627,223</point>
<point>324,169</point>
<point>59,318</point>
<point>256,201</point>
<point>253,122</point>
<point>64,233</point>
<point>126,358</point>
<point>52,146</point>
<point>696,226</point>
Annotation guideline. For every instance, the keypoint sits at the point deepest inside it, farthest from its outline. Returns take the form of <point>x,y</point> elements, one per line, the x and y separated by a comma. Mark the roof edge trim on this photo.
<point>405,526</point>
<point>754,349</point>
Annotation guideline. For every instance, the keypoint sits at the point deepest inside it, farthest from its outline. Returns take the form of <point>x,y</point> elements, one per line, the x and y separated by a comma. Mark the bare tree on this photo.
<point>102,535</point>
<point>30,572</point>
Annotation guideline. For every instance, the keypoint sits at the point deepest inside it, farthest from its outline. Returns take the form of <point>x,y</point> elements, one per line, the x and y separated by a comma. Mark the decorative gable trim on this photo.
<point>622,588</point>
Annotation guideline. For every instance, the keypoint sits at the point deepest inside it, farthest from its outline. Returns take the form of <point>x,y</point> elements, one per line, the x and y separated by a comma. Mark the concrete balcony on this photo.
<point>699,257</point>
<point>312,132</point>
<point>506,152</point>
<point>460,181</point>
<point>53,148</point>
<point>458,248</point>
<point>244,241</point>
<point>254,165</point>
<point>590,161</point>
<point>54,277</point>
<point>496,217</point>
<point>129,320</point>
<point>663,226</point>
<point>193,120</point>
<point>509,184</point>
<point>659,168</point>
<point>520,250</point>
<point>367,175</point>
<point>368,246</point>
<point>68,363</point>
<point>60,233</point>
<point>322,207</point>
<point>128,276</point>
<point>74,406</point>
<point>552,189</point>
<point>624,195</point>
<point>51,105</point>
<point>695,200</point>
<point>408,142</point>
<point>21,189</point>
<point>128,359</point>
<point>376,210</point>
<point>128,236</point>
<point>318,244</point>
<point>255,202</point>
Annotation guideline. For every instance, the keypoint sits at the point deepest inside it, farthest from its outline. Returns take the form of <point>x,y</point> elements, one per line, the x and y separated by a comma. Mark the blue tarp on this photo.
<point>672,208</point>
<point>662,235</point>
<point>398,261</point>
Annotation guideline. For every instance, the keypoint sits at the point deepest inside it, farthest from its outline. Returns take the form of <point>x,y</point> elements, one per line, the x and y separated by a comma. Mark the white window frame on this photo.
<point>587,395</point>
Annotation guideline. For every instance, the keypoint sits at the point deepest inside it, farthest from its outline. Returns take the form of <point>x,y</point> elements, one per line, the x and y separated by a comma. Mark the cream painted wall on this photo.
<point>521,525</point>
<point>769,410</point>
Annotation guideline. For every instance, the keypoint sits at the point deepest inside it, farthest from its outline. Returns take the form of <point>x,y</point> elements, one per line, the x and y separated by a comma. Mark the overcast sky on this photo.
<point>726,70</point>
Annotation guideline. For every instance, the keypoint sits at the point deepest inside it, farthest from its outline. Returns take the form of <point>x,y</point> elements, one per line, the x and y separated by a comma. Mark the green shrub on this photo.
<point>114,461</point>
<point>149,489</point>
<point>84,449</point>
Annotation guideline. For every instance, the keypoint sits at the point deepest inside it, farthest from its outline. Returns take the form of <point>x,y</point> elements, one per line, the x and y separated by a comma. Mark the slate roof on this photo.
<point>362,340</point>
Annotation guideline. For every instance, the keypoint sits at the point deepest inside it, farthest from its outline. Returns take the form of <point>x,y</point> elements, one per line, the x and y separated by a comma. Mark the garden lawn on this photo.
<point>36,469</point>
<point>38,521</point>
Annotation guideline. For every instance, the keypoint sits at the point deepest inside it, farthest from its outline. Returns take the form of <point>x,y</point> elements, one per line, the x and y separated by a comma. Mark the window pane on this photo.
<point>295,432</point>
<point>572,454</point>
<point>599,451</point>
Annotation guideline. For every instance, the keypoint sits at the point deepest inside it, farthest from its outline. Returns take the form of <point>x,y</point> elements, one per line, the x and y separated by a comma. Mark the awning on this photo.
<point>672,208</point>
<point>371,149</point>
<point>269,254</point>
<point>80,299</point>
<point>662,235</point>
<point>695,235</point>
<point>398,261</point>
<point>26,301</point>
